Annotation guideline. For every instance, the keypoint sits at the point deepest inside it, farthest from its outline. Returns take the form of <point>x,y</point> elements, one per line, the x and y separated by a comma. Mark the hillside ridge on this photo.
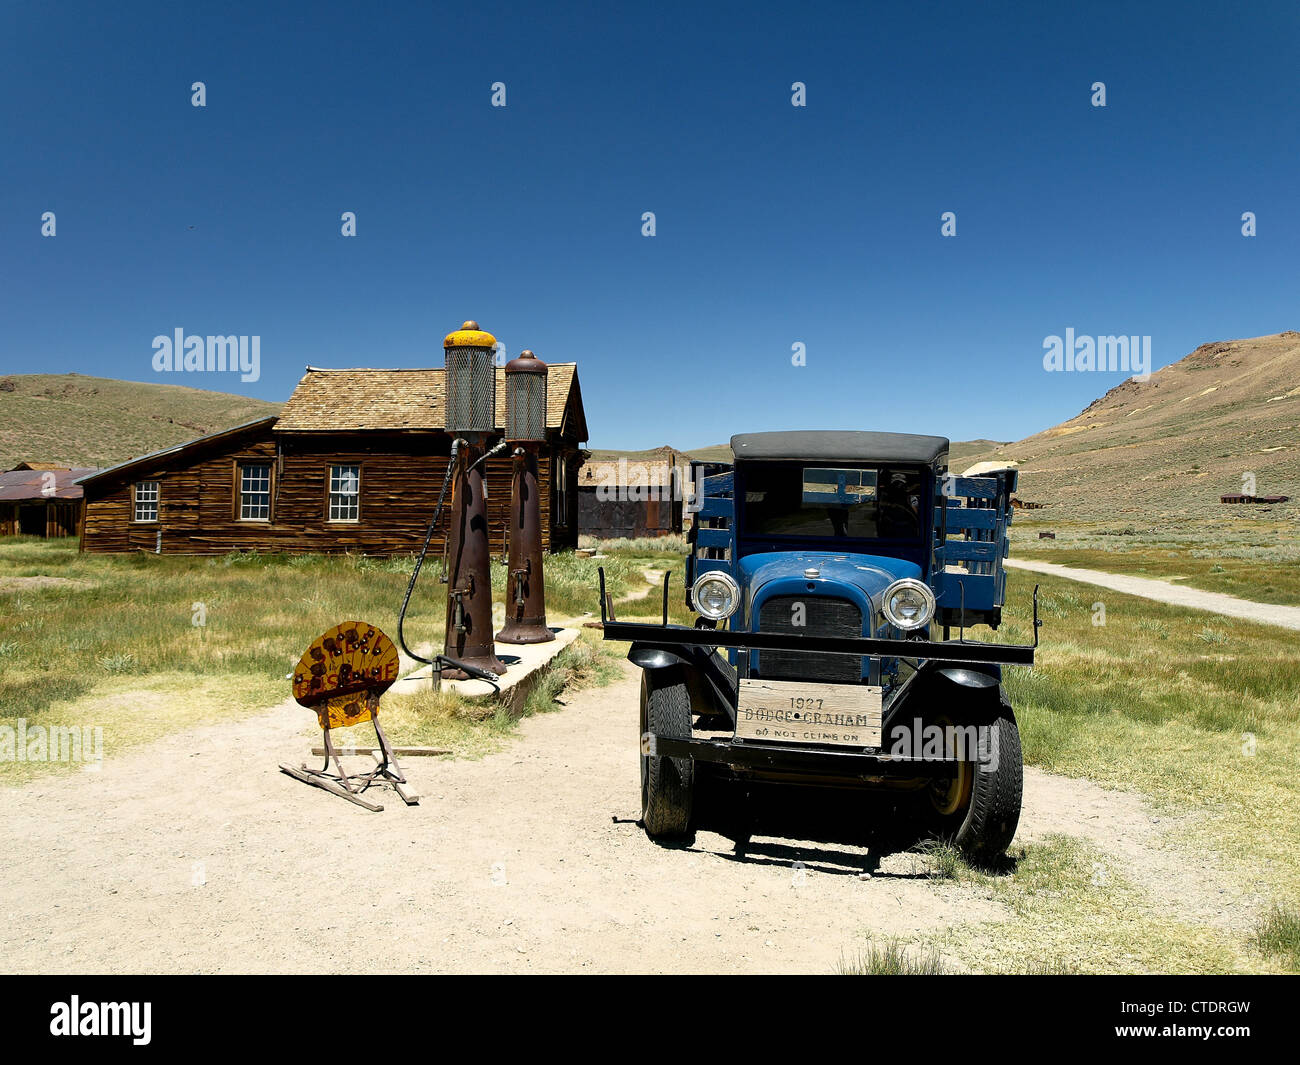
<point>83,421</point>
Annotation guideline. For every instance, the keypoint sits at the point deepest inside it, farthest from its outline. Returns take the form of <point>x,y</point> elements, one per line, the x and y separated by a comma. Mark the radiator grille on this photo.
<point>823,616</point>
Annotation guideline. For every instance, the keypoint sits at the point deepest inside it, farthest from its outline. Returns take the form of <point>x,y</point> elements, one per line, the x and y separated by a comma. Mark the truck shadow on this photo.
<point>827,830</point>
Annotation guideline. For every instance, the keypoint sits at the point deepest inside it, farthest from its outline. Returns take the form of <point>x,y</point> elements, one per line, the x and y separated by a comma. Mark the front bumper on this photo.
<point>666,636</point>
<point>958,651</point>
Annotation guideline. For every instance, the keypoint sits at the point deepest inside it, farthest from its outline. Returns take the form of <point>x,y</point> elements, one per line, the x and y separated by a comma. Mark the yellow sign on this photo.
<point>344,672</point>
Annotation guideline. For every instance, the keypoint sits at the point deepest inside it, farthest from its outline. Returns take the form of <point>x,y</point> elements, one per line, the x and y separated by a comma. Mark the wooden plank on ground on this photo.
<point>400,752</point>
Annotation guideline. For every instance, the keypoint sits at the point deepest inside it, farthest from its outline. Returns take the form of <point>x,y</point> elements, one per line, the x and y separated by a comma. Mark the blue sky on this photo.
<point>775,225</point>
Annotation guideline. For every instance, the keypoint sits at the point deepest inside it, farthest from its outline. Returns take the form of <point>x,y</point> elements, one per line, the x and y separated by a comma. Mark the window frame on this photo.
<point>560,491</point>
<point>156,501</point>
<point>330,493</point>
<point>240,469</point>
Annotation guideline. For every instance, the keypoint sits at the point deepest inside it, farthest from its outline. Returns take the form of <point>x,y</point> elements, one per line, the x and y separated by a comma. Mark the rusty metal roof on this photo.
<point>30,485</point>
<point>370,399</point>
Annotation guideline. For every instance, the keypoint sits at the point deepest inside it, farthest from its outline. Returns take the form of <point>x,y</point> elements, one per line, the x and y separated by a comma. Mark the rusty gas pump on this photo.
<point>525,432</point>
<point>471,419</point>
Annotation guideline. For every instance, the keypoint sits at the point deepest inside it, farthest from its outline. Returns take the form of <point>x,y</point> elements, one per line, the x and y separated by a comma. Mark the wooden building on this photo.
<point>632,497</point>
<point>354,462</point>
<point>1241,497</point>
<point>40,499</point>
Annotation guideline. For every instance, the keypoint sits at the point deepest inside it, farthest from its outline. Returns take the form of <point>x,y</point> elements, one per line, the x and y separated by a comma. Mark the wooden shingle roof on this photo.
<point>404,400</point>
<point>38,466</point>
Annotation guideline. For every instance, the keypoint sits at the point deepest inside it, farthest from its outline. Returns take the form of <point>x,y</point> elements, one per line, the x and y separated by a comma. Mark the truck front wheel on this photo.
<point>667,784</point>
<point>979,808</point>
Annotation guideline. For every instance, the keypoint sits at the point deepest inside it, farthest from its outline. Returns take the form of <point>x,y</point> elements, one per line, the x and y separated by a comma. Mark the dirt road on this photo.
<point>1175,594</point>
<point>197,855</point>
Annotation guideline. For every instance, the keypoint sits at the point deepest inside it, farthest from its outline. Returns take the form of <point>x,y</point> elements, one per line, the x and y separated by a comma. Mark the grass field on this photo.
<point>143,645</point>
<point>1253,553</point>
<point>1197,711</point>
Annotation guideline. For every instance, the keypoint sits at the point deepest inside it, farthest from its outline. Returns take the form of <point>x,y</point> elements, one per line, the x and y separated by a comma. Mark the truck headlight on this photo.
<point>908,604</point>
<point>715,595</point>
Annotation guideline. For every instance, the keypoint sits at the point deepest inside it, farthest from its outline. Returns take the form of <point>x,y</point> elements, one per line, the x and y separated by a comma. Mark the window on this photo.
<point>840,504</point>
<point>561,513</point>
<point>146,500</point>
<point>255,492</point>
<point>345,493</point>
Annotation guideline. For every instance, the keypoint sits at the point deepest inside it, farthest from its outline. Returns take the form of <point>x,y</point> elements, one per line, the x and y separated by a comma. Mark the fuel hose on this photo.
<point>438,660</point>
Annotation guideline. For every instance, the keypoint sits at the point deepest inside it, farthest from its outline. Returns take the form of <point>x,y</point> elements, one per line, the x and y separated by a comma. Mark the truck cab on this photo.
<point>827,570</point>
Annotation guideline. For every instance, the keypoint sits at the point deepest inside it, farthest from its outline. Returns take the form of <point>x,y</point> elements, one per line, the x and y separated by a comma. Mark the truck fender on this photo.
<point>649,657</point>
<point>710,692</point>
<point>983,676</point>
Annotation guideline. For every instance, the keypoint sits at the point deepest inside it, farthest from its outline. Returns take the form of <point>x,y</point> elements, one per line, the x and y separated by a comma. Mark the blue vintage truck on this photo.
<point>829,571</point>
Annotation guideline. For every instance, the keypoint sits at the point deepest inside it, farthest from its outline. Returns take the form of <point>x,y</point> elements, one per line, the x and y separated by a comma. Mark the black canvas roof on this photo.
<point>831,445</point>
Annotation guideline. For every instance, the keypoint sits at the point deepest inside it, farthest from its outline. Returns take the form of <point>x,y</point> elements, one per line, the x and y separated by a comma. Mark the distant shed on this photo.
<point>41,499</point>
<point>631,497</point>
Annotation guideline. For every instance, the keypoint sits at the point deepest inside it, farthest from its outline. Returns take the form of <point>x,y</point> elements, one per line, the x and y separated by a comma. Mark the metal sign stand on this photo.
<point>351,785</point>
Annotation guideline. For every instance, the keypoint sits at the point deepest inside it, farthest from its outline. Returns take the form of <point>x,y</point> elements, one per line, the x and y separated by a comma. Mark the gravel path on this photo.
<point>196,855</point>
<point>1175,594</point>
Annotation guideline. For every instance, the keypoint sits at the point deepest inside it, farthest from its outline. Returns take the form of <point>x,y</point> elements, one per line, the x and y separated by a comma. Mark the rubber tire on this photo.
<point>985,830</point>
<point>667,784</point>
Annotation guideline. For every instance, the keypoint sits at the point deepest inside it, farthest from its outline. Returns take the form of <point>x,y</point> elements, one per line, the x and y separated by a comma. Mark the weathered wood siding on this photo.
<point>58,517</point>
<point>612,519</point>
<point>401,475</point>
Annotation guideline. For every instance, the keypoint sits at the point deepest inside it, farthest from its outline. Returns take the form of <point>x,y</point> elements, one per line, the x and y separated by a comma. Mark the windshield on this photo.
<point>837,503</point>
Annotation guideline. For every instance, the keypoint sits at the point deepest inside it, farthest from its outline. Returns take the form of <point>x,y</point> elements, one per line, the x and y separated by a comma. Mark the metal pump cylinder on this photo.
<point>470,385</point>
<point>526,430</point>
<point>526,399</point>
<point>471,380</point>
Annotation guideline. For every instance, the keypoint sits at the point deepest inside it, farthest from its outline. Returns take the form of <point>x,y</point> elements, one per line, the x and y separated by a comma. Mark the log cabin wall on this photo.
<point>401,475</point>
<point>192,481</point>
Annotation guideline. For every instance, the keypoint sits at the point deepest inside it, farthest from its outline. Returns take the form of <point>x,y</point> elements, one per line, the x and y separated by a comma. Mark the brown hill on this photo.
<point>73,420</point>
<point>1172,445</point>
